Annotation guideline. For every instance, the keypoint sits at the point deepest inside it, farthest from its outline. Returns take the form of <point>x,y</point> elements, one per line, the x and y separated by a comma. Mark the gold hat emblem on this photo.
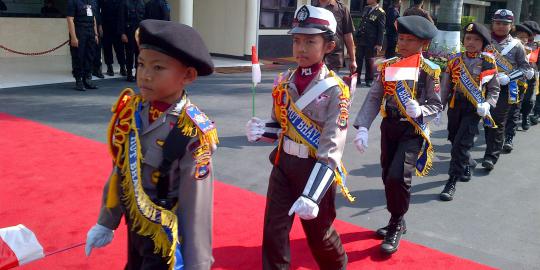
<point>470,27</point>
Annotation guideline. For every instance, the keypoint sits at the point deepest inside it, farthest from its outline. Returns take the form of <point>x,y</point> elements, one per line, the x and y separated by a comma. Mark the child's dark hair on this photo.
<point>329,36</point>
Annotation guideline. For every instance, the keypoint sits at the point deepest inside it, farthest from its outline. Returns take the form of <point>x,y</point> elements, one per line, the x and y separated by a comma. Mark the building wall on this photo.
<point>33,35</point>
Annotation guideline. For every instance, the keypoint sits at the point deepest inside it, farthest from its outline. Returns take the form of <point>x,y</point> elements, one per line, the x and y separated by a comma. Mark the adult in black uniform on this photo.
<point>158,10</point>
<point>391,32</point>
<point>83,37</point>
<point>369,37</point>
<point>96,63</point>
<point>110,18</point>
<point>131,13</point>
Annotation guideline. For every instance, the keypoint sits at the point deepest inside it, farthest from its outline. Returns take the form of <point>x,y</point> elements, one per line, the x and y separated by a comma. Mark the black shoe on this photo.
<point>368,84</point>
<point>390,243</point>
<point>466,174</point>
<point>488,164</point>
<point>525,123</point>
<point>123,71</point>
<point>89,85</point>
<point>110,71</point>
<point>508,144</point>
<point>98,73</point>
<point>534,119</point>
<point>130,77</point>
<point>381,232</point>
<point>449,190</point>
<point>79,86</point>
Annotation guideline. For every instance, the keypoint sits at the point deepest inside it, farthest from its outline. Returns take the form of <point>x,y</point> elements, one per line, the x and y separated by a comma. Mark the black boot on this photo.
<point>390,243</point>
<point>525,123</point>
<point>97,73</point>
<point>123,71</point>
<point>110,71</point>
<point>488,164</point>
<point>130,77</point>
<point>449,189</point>
<point>381,232</point>
<point>466,174</point>
<point>508,144</point>
<point>534,119</point>
<point>88,85</point>
<point>79,86</point>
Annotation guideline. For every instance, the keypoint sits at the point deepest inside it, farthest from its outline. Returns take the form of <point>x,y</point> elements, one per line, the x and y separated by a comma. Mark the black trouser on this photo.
<point>141,254</point>
<point>82,57</point>
<point>513,114</point>
<point>391,42</point>
<point>111,38</point>
<point>132,50</point>
<point>400,146</point>
<point>287,181</point>
<point>462,128</point>
<point>495,136</point>
<point>527,102</point>
<point>364,55</point>
<point>96,63</point>
<point>536,109</point>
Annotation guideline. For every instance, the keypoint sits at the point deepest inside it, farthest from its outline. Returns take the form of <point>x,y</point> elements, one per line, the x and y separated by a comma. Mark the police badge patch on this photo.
<point>302,14</point>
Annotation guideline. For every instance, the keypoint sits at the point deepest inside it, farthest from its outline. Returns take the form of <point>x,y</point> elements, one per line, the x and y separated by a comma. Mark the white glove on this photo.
<point>413,108</point>
<point>483,109</point>
<point>361,140</point>
<point>304,208</point>
<point>529,74</point>
<point>254,129</point>
<point>98,236</point>
<point>503,79</point>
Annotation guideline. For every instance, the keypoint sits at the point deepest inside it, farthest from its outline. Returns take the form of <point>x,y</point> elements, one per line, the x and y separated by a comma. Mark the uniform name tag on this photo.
<point>89,11</point>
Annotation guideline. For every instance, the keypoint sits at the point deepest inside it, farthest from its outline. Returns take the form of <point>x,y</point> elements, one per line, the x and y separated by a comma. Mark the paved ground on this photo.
<point>494,219</point>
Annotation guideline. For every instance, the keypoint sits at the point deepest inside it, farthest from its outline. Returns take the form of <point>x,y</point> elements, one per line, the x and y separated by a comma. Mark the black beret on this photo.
<point>417,26</point>
<point>176,40</point>
<point>533,26</point>
<point>523,28</point>
<point>479,29</point>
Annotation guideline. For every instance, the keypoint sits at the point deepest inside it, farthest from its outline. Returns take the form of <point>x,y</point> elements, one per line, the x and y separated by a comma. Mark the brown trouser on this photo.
<point>287,182</point>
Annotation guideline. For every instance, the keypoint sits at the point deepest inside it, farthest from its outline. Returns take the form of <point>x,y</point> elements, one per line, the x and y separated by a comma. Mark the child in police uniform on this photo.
<point>309,119</point>
<point>469,85</point>
<point>161,143</point>
<point>408,105</point>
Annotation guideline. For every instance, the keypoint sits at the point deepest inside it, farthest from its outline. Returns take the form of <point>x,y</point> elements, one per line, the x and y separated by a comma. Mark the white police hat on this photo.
<point>503,15</point>
<point>312,20</point>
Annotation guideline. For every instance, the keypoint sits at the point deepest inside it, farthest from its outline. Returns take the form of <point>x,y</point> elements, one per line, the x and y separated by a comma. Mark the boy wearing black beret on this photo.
<point>470,88</point>
<point>161,143</point>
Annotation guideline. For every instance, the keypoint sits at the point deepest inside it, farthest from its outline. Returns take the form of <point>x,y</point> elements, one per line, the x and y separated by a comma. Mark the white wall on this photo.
<point>33,35</point>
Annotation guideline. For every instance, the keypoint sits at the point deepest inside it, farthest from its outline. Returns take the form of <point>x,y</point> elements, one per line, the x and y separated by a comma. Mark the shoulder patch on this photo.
<point>199,118</point>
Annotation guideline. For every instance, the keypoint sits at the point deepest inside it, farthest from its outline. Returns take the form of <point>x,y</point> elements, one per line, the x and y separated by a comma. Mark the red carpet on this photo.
<point>52,183</point>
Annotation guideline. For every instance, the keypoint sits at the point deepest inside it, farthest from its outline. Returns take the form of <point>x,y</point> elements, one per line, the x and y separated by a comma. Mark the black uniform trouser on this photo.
<point>513,115</point>
<point>391,43</point>
<point>132,50</point>
<point>400,146</point>
<point>287,181</point>
<point>113,39</point>
<point>82,57</point>
<point>96,63</point>
<point>462,128</point>
<point>536,109</point>
<point>527,103</point>
<point>364,56</point>
<point>141,254</point>
<point>495,136</point>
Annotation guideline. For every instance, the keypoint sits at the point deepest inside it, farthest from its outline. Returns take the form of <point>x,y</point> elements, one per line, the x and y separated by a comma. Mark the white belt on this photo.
<point>296,149</point>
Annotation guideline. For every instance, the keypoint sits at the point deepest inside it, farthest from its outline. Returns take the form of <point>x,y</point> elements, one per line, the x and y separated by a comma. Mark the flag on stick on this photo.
<point>18,246</point>
<point>255,76</point>
<point>406,69</point>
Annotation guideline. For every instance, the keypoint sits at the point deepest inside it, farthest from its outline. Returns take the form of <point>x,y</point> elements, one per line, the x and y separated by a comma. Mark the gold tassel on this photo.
<point>452,101</point>
<point>112,194</point>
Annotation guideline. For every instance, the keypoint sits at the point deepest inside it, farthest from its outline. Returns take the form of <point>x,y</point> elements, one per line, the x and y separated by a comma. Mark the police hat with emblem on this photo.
<point>479,29</point>
<point>533,26</point>
<point>503,15</point>
<point>312,20</point>
<point>176,40</point>
<point>417,26</point>
<point>524,28</point>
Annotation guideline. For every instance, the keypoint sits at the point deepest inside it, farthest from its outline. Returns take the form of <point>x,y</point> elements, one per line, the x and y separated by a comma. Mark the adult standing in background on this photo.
<point>370,37</point>
<point>344,36</point>
<point>417,9</point>
<point>110,17</point>
<point>158,10</point>
<point>391,32</point>
<point>132,13</point>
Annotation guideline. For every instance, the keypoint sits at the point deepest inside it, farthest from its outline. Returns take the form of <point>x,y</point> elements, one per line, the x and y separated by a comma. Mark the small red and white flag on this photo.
<point>255,67</point>
<point>487,75</point>
<point>405,70</point>
<point>533,56</point>
<point>18,246</point>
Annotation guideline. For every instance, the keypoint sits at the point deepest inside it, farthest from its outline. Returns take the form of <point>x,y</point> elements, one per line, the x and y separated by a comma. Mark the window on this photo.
<point>33,8</point>
<point>277,14</point>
